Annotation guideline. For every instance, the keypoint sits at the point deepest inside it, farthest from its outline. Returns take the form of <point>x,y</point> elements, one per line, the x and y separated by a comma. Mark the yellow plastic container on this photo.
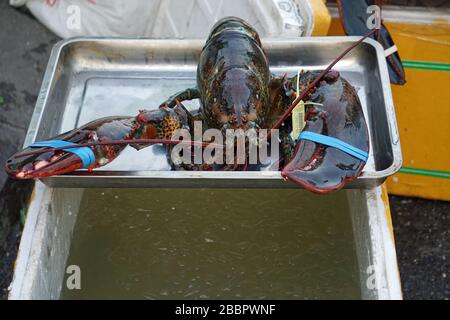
<point>423,104</point>
<point>322,17</point>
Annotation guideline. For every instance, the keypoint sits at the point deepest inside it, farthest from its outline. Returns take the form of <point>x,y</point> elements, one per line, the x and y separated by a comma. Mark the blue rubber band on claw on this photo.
<point>335,143</point>
<point>84,153</point>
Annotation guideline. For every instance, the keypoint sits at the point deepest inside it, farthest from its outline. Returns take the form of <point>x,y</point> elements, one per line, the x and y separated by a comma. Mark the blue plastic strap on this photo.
<point>335,143</point>
<point>85,153</point>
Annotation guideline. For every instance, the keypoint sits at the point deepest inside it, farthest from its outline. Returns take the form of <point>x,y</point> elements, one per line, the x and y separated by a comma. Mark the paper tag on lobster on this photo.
<point>298,113</point>
<point>298,118</point>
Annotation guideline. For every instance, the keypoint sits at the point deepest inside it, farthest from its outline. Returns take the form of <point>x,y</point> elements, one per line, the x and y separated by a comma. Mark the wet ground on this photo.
<point>422,227</point>
<point>422,235</point>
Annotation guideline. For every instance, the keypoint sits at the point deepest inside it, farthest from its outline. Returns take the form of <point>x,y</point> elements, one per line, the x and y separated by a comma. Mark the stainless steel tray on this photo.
<point>88,78</point>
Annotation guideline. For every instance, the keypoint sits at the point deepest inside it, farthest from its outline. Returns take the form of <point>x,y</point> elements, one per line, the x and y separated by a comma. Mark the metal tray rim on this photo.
<point>384,77</point>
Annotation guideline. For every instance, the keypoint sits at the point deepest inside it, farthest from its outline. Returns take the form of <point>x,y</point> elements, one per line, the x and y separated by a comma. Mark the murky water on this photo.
<point>189,244</point>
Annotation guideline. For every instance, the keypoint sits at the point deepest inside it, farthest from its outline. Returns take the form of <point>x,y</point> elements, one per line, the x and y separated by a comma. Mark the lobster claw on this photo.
<point>41,165</point>
<point>333,147</point>
<point>323,164</point>
<point>29,164</point>
<point>40,160</point>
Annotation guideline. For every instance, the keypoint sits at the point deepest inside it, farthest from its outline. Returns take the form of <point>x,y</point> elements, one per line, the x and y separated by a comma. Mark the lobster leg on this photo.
<point>187,94</point>
<point>319,167</point>
<point>177,98</point>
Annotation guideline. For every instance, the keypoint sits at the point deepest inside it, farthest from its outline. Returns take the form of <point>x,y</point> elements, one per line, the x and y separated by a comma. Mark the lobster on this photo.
<point>236,91</point>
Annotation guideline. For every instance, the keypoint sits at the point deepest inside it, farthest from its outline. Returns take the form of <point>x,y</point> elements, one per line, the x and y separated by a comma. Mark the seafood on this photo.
<point>236,91</point>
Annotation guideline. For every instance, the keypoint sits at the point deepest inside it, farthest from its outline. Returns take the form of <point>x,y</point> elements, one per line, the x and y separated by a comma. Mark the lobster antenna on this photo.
<point>317,79</point>
<point>120,142</point>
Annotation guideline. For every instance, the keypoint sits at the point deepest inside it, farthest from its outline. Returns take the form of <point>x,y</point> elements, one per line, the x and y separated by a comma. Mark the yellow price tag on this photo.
<point>298,114</point>
<point>298,119</point>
